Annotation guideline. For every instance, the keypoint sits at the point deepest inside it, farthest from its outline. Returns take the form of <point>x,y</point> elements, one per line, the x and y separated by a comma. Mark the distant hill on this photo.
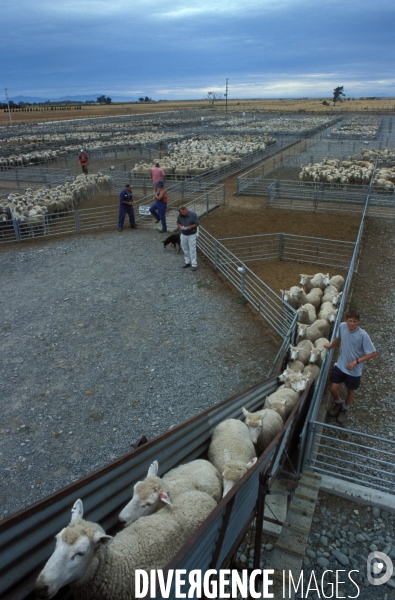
<point>76,98</point>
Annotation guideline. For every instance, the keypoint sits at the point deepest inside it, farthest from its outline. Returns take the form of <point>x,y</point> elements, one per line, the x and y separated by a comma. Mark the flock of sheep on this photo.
<point>316,303</point>
<point>33,208</point>
<point>204,153</point>
<point>364,126</point>
<point>357,170</point>
<point>161,516</point>
<point>165,511</point>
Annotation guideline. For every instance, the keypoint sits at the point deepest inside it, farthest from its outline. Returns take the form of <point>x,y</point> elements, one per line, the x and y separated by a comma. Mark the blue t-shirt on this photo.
<point>354,344</point>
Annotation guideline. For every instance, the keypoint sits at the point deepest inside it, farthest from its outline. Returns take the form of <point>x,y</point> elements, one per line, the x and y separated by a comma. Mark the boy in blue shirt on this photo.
<point>356,348</point>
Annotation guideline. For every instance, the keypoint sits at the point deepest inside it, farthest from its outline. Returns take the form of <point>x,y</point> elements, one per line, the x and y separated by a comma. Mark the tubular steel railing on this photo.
<point>284,246</point>
<point>280,316</point>
<point>88,219</point>
<point>361,458</point>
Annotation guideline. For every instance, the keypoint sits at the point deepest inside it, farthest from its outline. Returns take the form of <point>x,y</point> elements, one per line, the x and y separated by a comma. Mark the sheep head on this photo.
<point>75,552</point>
<point>148,497</point>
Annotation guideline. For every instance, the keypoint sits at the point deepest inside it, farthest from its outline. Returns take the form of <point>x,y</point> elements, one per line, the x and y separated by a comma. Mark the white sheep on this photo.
<point>100,567</point>
<point>312,332</point>
<point>154,492</point>
<point>296,365</point>
<point>263,426</point>
<point>311,371</point>
<point>337,281</point>
<point>328,313</point>
<point>288,397</point>
<point>279,407</point>
<point>314,297</point>
<point>331,294</point>
<point>231,451</point>
<point>302,351</point>
<point>319,280</point>
<point>291,299</point>
<point>307,314</point>
<point>318,353</point>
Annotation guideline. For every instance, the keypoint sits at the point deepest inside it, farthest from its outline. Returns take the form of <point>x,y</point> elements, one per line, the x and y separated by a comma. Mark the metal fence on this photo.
<point>334,450</point>
<point>361,458</point>
<point>88,219</point>
<point>307,195</point>
<point>30,175</point>
<point>284,246</point>
<point>280,316</point>
<point>250,183</point>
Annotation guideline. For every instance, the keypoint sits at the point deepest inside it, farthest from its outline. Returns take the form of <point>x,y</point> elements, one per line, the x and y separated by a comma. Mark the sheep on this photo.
<point>328,313</point>
<point>302,351</point>
<point>313,297</point>
<point>312,332</point>
<point>100,567</point>
<point>288,397</point>
<point>312,371</point>
<point>319,280</point>
<point>263,426</point>
<point>307,314</point>
<point>279,407</point>
<point>231,451</point>
<point>318,353</point>
<point>292,300</point>
<point>150,495</point>
<point>295,365</point>
<point>337,281</point>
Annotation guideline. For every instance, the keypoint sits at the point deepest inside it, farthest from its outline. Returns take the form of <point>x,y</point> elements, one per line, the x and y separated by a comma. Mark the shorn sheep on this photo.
<point>263,425</point>
<point>154,492</point>
<point>100,567</point>
<point>231,451</point>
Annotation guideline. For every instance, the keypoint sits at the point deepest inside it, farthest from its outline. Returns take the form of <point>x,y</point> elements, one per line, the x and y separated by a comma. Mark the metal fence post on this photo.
<point>77,221</point>
<point>207,202</point>
<point>15,225</point>
<point>216,255</point>
<point>281,247</point>
<point>242,270</point>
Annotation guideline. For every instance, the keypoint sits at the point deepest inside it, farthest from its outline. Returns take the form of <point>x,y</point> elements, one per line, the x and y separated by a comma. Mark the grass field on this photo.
<point>236,106</point>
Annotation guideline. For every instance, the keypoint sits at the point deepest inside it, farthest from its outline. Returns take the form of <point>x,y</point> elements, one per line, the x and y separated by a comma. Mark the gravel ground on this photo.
<point>342,536</point>
<point>105,338</point>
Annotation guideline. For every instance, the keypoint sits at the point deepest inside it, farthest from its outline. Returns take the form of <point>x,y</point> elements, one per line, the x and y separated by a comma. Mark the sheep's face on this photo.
<point>315,353</point>
<point>148,497</point>
<point>69,562</point>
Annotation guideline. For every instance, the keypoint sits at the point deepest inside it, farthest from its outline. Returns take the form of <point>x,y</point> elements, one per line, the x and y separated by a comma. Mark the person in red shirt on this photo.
<point>83,159</point>
<point>157,174</point>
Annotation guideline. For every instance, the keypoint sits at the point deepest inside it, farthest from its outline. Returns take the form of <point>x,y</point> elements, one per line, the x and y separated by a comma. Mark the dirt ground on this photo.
<point>261,105</point>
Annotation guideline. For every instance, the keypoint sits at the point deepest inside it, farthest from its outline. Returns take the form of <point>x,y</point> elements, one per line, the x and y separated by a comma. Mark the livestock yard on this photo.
<point>107,339</point>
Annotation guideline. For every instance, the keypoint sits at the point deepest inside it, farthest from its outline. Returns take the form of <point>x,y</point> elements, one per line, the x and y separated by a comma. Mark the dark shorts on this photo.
<point>337,376</point>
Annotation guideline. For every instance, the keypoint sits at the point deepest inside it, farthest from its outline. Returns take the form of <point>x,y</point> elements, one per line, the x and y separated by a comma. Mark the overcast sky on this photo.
<point>173,49</point>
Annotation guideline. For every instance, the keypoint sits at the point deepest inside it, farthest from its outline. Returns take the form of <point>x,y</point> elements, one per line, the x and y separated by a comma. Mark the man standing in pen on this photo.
<point>126,207</point>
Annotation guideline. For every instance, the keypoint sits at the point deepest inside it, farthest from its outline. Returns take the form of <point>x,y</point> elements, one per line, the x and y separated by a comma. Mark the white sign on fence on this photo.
<point>144,210</point>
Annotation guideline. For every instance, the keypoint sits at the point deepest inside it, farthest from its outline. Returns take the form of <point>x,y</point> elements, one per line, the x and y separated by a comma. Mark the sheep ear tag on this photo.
<point>165,498</point>
<point>251,463</point>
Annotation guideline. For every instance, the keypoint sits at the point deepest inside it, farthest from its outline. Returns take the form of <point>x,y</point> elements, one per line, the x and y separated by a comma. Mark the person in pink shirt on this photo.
<point>157,174</point>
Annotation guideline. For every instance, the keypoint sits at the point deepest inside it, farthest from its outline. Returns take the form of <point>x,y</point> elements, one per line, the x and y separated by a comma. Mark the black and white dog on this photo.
<point>174,240</point>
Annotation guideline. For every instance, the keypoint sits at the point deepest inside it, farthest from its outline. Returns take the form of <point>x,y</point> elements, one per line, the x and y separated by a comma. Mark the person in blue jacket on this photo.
<point>126,207</point>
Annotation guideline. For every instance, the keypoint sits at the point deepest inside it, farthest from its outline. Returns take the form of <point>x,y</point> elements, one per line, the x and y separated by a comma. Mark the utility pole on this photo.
<point>8,104</point>
<point>226,97</point>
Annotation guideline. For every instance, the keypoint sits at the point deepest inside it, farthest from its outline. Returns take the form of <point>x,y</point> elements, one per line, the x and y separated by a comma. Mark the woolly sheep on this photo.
<point>154,492</point>
<point>337,281</point>
<point>295,365</point>
<point>263,426</point>
<point>318,353</point>
<point>231,451</point>
<point>100,567</point>
<point>328,313</point>
<point>312,332</point>
<point>319,280</point>
<point>307,314</point>
<point>287,396</point>
<point>302,351</point>
<point>312,371</point>
<point>279,407</point>
<point>314,297</point>
<point>292,300</point>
